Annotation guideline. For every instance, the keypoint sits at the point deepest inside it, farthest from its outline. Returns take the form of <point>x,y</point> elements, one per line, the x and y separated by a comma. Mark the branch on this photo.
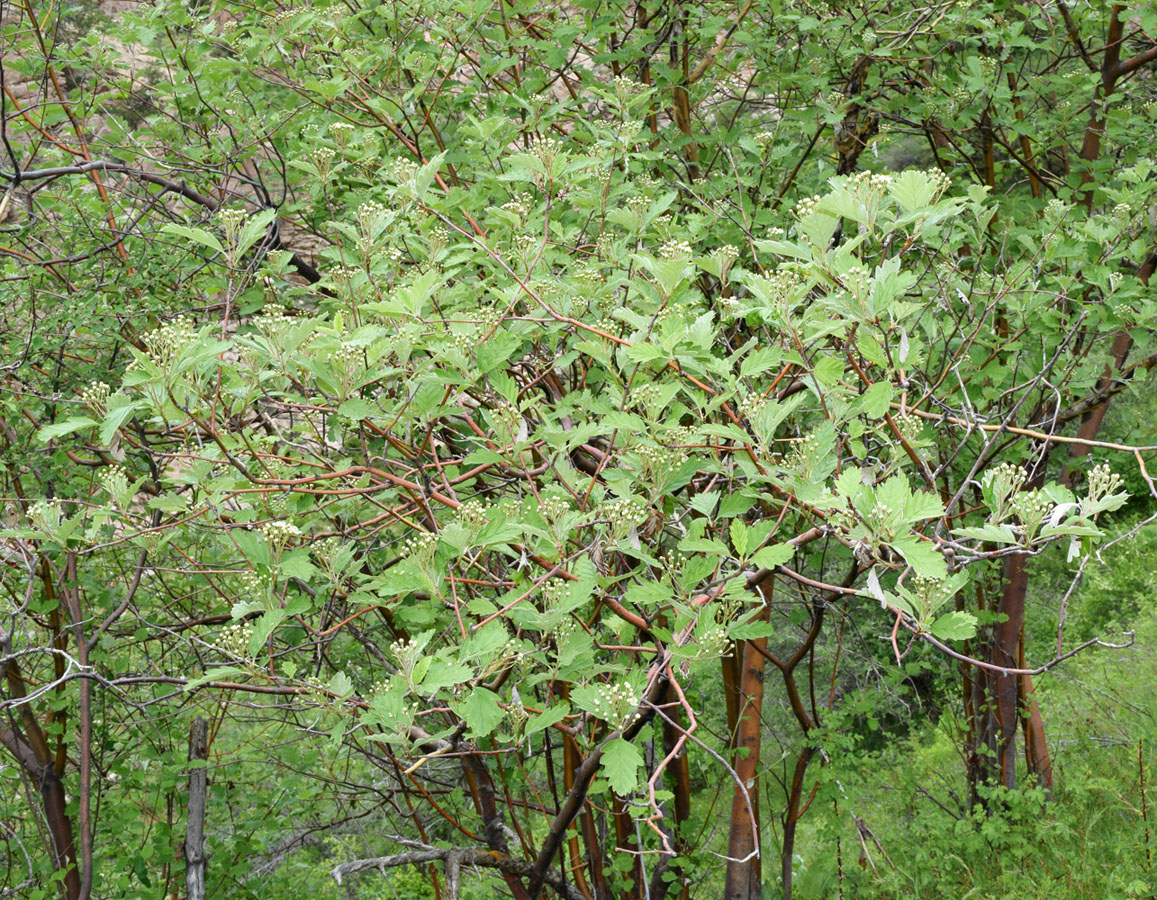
<point>1137,61</point>
<point>1075,34</point>
<point>452,858</point>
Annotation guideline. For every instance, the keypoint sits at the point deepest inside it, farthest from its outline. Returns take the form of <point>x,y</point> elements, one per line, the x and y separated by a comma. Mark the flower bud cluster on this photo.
<point>807,206</point>
<point>230,219</point>
<point>95,396</point>
<point>909,426</point>
<point>674,249</point>
<point>46,515</point>
<point>615,704</point>
<point>166,342</point>
<point>1032,508</point>
<point>115,482</point>
<point>233,641</point>
<point>322,158</point>
<point>547,150</point>
<point>621,515</point>
<point>279,532</point>
<point>655,458</point>
<point>803,452</point>
<point>713,642</point>
<point>627,88</point>
<point>326,550</point>
<point>725,255</point>
<point>1002,482</point>
<point>856,279</point>
<point>940,182</point>
<point>487,320</point>
<point>554,508</point>
<point>474,514</point>
<point>520,204</point>
<point>254,584</point>
<point>420,547</point>
<point>1103,481</point>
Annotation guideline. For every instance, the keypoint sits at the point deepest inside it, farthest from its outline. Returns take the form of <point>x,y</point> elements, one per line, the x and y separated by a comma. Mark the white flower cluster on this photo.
<point>403,169</point>
<point>621,515</point>
<point>520,204</point>
<point>615,703</point>
<point>910,426</point>
<point>524,243</point>
<point>764,139</point>
<point>280,532</point>
<point>474,514</point>
<point>166,342</point>
<point>370,214</point>
<point>547,150</point>
<point>233,641</point>
<point>230,219</point>
<point>807,206</point>
<point>1103,481</point>
<point>323,160</point>
<point>554,509</point>
<point>341,131</point>
<point>272,322</point>
<point>115,481</point>
<point>940,181</point>
<point>1122,212</point>
<point>420,547</point>
<point>627,88</point>
<point>674,249</point>
<point>46,515</point>
<point>1055,209</point>
<point>438,239</point>
<point>95,396</point>
<point>1031,507</point>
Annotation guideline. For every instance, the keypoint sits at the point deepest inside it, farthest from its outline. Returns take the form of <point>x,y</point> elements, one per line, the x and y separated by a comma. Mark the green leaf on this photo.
<point>922,556</point>
<point>620,764</point>
<point>196,235</point>
<point>773,555</point>
<point>876,399</point>
<point>547,717</point>
<point>739,538</point>
<point>481,712</point>
<point>341,685</point>
<point>59,429</point>
<point>954,626</point>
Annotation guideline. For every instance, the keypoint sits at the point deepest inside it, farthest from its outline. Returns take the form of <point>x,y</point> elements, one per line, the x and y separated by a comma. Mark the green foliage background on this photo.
<point>425,393</point>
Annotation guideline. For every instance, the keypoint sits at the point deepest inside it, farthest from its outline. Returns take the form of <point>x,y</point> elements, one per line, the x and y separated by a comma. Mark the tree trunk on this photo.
<point>198,798</point>
<point>744,872</point>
